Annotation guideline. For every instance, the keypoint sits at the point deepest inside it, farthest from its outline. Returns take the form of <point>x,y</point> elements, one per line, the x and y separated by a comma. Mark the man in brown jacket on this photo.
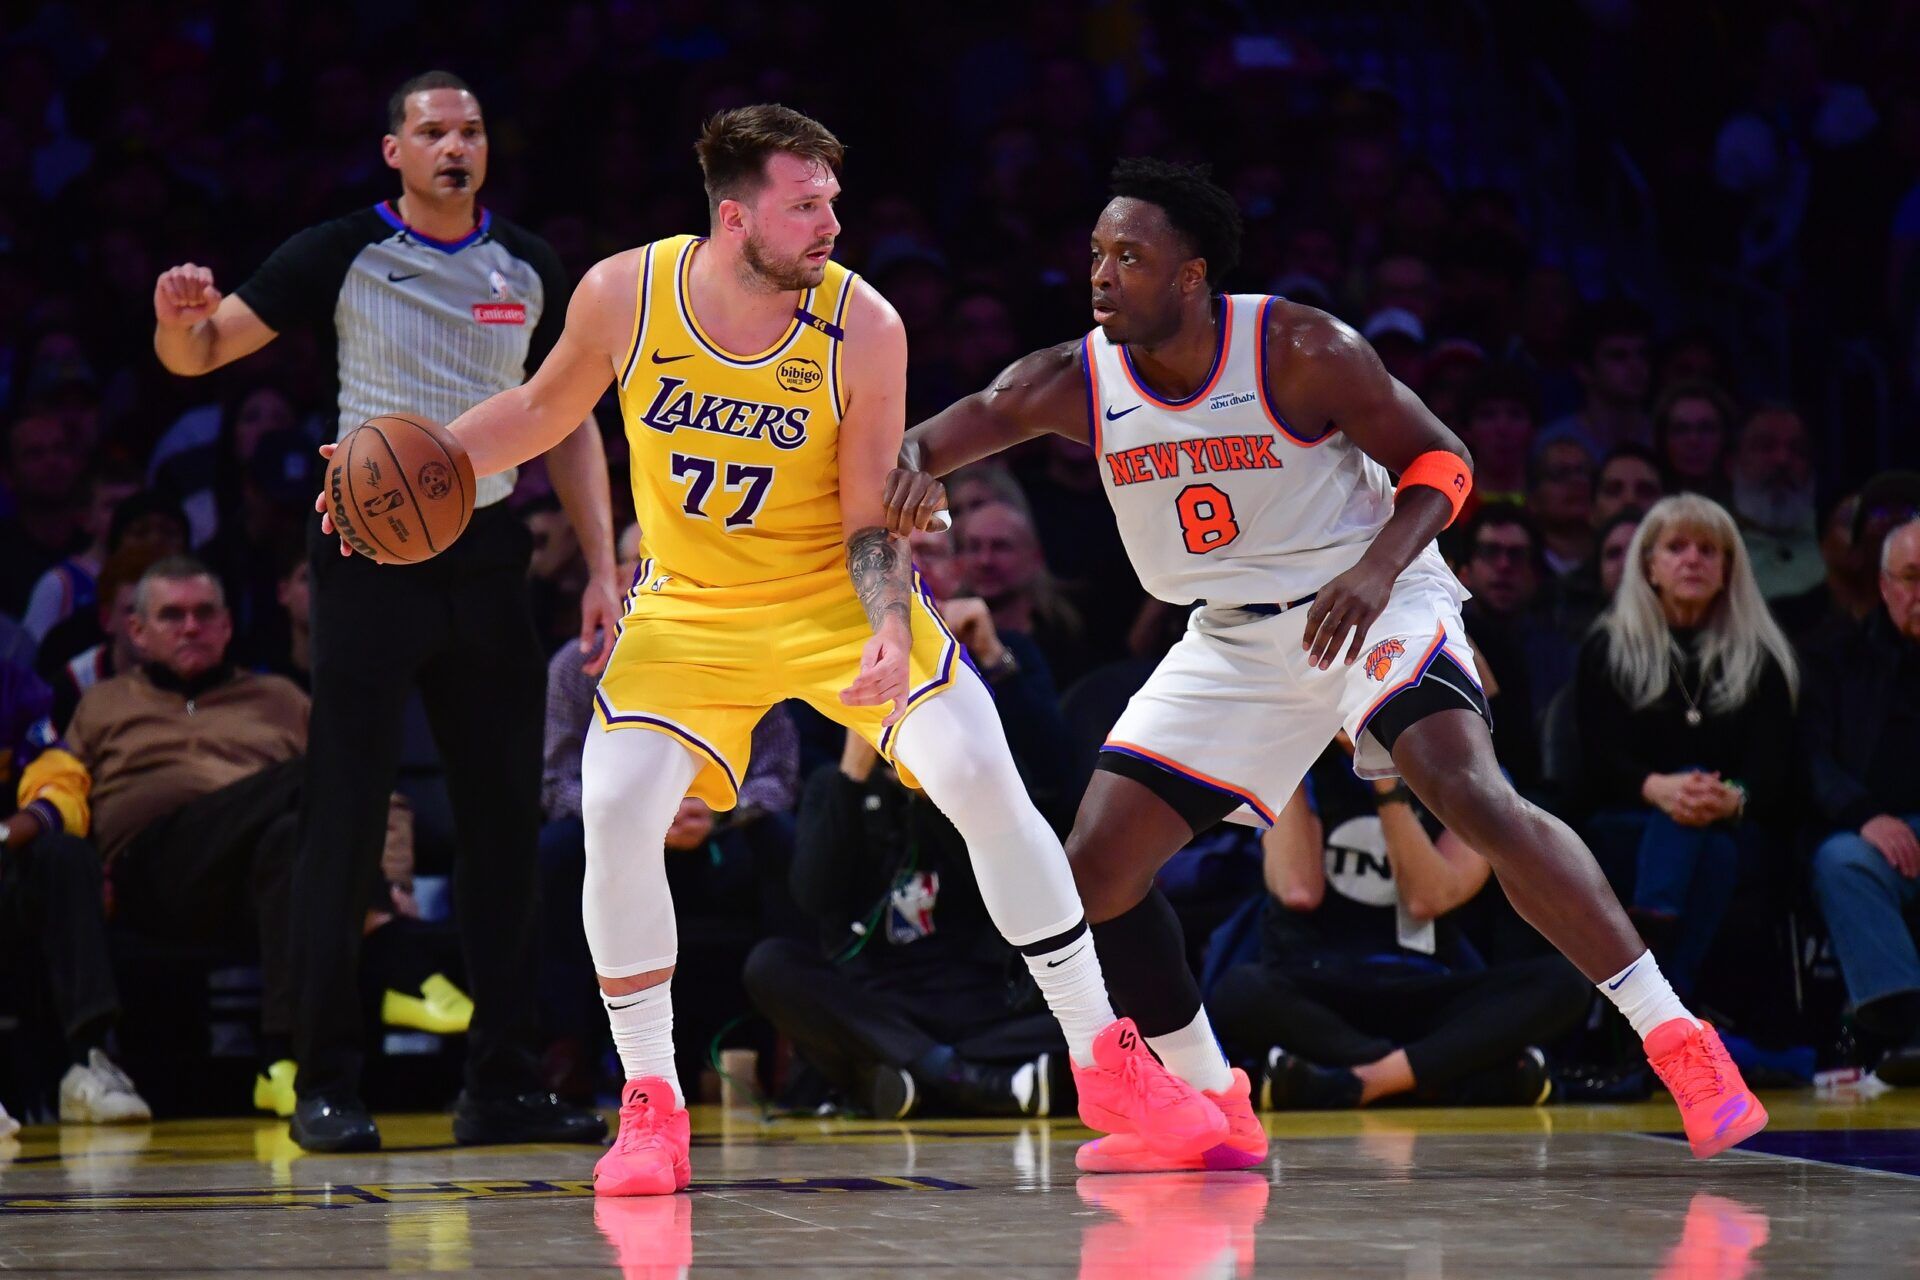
<point>196,771</point>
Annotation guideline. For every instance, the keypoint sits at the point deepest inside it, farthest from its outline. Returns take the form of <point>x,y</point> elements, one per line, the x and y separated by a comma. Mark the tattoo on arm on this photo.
<point>882,574</point>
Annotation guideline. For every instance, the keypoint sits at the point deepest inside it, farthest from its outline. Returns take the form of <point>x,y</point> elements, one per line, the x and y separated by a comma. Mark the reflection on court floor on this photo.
<point>1831,1189</point>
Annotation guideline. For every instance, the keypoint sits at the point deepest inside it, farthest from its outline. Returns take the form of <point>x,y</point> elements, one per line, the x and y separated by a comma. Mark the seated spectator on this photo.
<point>1500,566</point>
<point>113,617</point>
<point>51,895</point>
<point>1002,563</point>
<point>196,769</point>
<point>980,483</point>
<point>1629,480</point>
<point>68,588</point>
<point>1400,340</point>
<point>1771,483</point>
<point>1616,537</point>
<point>1614,361</point>
<point>1075,525</point>
<point>43,474</point>
<point>556,571</point>
<point>913,1003</point>
<point>1497,422</point>
<point>1692,427</point>
<point>1685,706</point>
<point>1861,720</point>
<point>276,485</point>
<point>148,527</point>
<point>1365,988</point>
<point>1850,545</point>
<point>1560,499</point>
<point>294,594</point>
<point>201,459</point>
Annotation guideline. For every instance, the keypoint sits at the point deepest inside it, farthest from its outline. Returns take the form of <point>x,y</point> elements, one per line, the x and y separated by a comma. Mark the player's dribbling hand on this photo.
<point>183,296</point>
<point>320,504</point>
<point>883,674</point>
<point>912,498</point>
<point>1351,602</point>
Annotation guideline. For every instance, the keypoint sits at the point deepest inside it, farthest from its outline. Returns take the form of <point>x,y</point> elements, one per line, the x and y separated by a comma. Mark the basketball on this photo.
<point>400,490</point>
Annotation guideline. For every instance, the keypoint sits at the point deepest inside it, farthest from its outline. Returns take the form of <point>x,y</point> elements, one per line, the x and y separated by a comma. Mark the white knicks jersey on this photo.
<point>1218,497</point>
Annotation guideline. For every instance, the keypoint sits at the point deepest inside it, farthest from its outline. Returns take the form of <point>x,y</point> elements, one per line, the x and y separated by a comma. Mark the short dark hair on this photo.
<point>1495,515</point>
<point>1201,211</point>
<point>397,104</point>
<point>735,145</point>
<point>1632,449</point>
<point>1609,318</point>
<point>176,569</point>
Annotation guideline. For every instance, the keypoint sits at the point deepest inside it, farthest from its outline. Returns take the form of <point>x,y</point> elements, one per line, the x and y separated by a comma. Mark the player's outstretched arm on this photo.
<point>1044,391</point>
<point>524,422</point>
<point>870,434</point>
<point>1325,377</point>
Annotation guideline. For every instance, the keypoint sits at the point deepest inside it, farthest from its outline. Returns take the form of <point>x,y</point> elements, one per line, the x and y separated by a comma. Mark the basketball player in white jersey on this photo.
<point>1249,447</point>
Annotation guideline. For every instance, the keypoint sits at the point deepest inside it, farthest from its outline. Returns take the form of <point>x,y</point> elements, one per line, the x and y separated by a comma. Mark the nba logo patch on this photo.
<point>1380,658</point>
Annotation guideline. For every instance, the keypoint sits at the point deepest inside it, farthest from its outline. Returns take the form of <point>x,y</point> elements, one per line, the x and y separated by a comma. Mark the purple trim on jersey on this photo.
<point>642,572</point>
<point>939,681</point>
<point>393,219</point>
<point>1222,326</point>
<point>640,327</point>
<point>1161,762</point>
<point>683,271</point>
<point>1093,397</point>
<point>1439,647</point>
<point>825,326</point>
<point>1266,396</point>
<point>833,358</point>
<point>668,726</point>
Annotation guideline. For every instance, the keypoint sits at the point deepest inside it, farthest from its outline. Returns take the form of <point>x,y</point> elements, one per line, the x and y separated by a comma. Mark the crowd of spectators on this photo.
<point>1698,620</point>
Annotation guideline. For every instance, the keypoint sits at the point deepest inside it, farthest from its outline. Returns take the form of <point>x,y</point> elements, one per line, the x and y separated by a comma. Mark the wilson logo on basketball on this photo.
<point>1379,659</point>
<point>799,375</point>
<point>500,312</point>
<point>436,480</point>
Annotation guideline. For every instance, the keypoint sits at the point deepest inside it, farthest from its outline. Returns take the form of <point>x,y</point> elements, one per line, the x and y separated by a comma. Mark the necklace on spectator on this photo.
<point>1693,707</point>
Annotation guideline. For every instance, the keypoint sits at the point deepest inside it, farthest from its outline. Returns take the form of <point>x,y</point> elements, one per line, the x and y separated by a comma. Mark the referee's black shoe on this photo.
<point>334,1124</point>
<point>523,1117</point>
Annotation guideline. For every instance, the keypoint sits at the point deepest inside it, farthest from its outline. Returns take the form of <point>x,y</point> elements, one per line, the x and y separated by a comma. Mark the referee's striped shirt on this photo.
<point>417,325</point>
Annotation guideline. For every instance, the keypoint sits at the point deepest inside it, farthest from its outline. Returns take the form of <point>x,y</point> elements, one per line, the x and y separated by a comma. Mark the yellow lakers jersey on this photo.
<point>735,457</point>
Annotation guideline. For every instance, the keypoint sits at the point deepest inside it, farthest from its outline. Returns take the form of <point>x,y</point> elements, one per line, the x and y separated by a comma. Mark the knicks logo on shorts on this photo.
<point>1379,659</point>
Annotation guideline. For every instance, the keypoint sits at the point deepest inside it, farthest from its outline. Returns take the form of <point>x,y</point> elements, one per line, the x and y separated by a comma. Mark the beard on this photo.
<point>1776,503</point>
<point>794,275</point>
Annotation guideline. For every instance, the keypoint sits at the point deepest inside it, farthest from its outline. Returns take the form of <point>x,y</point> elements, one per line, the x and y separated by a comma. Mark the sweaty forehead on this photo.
<point>1135,221</point>
<point>792,175</point>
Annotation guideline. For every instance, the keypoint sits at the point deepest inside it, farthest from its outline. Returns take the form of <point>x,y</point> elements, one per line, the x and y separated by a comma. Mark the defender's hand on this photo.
<point>914,500</point>
<point>1351,602</point>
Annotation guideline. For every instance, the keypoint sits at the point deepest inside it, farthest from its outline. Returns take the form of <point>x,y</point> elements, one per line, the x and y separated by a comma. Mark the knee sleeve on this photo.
<point>956,749</point>
<point>631,785</point>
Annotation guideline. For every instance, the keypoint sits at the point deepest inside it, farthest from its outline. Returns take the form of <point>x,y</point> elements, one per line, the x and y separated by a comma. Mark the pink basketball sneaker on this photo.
<point>1717,1108</point>
<point>649,1154</point>
<point>1126,1090</point>
<point>1244,1146</point>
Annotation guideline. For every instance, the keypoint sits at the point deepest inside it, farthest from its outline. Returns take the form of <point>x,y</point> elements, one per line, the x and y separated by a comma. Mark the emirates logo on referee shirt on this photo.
<point>500,312</point>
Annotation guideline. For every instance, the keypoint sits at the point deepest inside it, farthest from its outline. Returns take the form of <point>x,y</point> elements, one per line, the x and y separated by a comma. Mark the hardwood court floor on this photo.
<point>1831,1189</point>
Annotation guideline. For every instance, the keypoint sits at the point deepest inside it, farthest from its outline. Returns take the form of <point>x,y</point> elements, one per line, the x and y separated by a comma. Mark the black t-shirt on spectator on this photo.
<point>1358,924</point>
<point>1754,744</point>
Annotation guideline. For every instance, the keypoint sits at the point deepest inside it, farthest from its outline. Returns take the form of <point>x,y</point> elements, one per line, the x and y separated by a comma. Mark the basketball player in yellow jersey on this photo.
<point>764,392</point>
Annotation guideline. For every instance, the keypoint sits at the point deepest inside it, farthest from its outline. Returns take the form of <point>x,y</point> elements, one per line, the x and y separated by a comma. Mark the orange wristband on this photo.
<point>1438,469</point>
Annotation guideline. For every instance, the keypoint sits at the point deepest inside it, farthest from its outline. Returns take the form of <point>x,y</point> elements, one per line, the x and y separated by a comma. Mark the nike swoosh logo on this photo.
<point>1111,415</point>
<point>394,279</point>
<point>660,359</point>
<point>1055,964</point>
<point>1615,986</point>
<point>628,1005</point>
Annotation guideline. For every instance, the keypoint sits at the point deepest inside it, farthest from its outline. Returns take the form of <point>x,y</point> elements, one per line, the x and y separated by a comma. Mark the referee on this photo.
<point>431,304</point>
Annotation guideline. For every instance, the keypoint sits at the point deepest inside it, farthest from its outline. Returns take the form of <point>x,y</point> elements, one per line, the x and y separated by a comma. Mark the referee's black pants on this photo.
<point>460,629</point>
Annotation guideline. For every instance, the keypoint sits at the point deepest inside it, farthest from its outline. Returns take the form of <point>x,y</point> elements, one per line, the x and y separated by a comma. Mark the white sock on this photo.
<point>643,1034</point>
<point>1194,1055</point>
<point>1641,993</point>
<point>1069,977</point>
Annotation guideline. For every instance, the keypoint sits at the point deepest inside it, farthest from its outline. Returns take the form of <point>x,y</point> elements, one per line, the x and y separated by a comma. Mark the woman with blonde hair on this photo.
<point>1685,695</point>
